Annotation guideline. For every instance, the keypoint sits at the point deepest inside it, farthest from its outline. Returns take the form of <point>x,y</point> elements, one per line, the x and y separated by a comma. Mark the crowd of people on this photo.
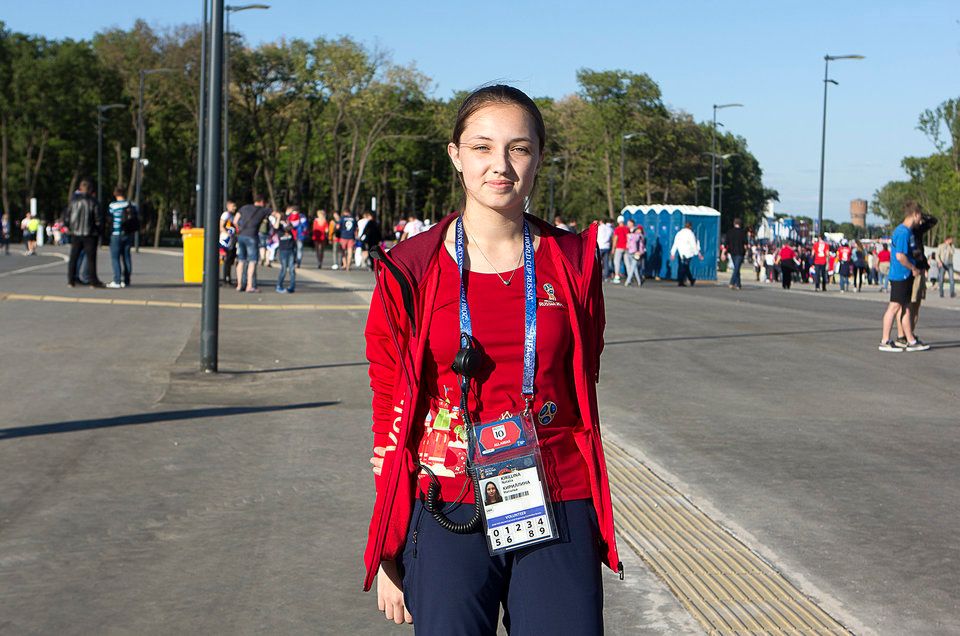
<point>256,235</point>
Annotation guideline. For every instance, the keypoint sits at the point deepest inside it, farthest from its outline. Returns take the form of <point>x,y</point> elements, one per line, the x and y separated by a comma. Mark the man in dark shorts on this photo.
<point>248,221</point>
<point>903,270</point>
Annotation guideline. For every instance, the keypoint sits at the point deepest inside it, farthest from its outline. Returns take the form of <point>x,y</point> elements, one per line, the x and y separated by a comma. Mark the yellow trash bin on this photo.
<point>192,254</point>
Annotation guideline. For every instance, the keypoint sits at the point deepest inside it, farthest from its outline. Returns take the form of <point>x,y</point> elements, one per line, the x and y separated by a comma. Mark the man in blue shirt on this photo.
<point>903,269</point>
<point>123,223</point>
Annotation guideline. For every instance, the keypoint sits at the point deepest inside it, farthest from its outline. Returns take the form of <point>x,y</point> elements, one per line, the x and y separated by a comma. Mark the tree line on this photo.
<point>329,123</point>
<point>934,180</point>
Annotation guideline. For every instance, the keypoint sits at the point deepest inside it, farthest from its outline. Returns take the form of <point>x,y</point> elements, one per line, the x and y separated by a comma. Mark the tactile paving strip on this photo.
<point>720,581</point>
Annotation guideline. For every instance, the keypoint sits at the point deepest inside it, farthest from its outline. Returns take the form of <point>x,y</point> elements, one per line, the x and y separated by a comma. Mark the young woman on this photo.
<point>525,287</point>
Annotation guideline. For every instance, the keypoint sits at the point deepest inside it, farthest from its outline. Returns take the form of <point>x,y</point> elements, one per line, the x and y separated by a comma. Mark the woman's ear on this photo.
<point>453,151</point>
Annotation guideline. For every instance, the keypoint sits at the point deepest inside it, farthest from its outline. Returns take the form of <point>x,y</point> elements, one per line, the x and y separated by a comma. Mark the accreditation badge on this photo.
<point>517,510</point>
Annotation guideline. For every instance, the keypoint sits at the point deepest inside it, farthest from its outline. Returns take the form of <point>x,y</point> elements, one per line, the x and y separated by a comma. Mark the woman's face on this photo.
<point>498,155</point>
<point>491,491</point>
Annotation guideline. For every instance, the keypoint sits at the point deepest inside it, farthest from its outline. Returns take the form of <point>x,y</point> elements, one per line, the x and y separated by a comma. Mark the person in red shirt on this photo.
<point>786,258</point>
<point>319,233</point>
<point>883,267</point>
<point>620,234</point>
<point>846,265</point>
<point>821,257</point>
<point>501,269</point>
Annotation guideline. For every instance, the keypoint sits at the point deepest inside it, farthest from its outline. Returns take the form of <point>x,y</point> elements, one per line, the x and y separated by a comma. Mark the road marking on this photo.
<point>727,587</point>
<point>33,268</point>
<point>177,305</point>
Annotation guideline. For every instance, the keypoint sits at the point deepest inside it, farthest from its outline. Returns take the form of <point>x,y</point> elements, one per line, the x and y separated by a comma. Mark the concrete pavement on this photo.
<point>140,496</point>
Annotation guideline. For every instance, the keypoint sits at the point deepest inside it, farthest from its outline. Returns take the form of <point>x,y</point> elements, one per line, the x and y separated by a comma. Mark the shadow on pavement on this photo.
<point>768,334</point>
<point>150,418</point>
<point>303,368</point>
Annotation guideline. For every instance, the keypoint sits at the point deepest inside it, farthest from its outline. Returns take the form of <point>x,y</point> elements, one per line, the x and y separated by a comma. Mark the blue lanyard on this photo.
<point>529,313</point>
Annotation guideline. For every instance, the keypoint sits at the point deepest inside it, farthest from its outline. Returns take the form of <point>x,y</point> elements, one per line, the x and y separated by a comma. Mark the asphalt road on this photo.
<point>138,496</point>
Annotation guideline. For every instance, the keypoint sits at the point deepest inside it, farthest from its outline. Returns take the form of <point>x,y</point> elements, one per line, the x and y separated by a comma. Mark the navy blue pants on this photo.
<point>452,585</point>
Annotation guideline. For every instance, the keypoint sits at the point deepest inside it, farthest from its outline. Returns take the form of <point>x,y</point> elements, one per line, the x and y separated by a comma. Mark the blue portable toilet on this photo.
<point>661,224</point>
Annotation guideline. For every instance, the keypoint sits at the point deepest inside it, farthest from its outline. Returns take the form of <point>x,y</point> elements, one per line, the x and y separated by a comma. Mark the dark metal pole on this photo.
<point>720,194</point>
<point>713,159</point>
<point>623,190</point>
<point>823,143</point>
<point>210,304</point>
<point>139,159</point>
<point>202,115</point>
<point>100,156</point>
<point>226,113</point>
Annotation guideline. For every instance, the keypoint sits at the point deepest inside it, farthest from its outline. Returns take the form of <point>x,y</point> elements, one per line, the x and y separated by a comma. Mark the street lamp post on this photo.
<point>230,8</point>
<point>696,189</point>
<point>720,194</point>
<point>201,115</point>
<point>823,136</point>
<point>141,140</point>
<point>101,109</point>
<point>210,305</point>
<point>623,189</point>
<point>713,151</point>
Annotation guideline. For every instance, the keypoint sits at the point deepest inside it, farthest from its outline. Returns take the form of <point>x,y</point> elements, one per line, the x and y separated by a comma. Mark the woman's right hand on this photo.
<point>390,594</point>
<point>377,459</point>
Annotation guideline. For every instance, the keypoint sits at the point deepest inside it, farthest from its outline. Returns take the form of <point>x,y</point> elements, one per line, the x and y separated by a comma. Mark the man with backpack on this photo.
<point>124,223</point>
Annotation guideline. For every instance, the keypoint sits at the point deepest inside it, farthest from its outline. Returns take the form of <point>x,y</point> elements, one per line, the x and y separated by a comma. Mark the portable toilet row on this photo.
<point>662,222</point>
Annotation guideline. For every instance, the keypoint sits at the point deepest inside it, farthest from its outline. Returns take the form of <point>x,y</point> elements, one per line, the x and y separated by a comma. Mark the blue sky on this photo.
<point>766,55</point>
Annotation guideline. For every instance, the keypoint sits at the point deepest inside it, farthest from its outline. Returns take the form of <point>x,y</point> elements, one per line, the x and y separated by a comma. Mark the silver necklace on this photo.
<point>505,281</point>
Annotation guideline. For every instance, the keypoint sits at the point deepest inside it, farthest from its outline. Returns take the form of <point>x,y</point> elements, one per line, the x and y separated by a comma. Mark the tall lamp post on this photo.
<point>623,189</point>
<point>230,8</point>
<point>141,139</point>
<point>823,138</point>
<point>101,109</point>
<point>713,164</point>
<point>210,299</point>
<point>201,114</point>
<point>696,189</point>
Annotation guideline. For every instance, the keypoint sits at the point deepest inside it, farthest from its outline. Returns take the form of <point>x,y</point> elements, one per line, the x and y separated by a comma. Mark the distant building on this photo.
<point>858,213</point>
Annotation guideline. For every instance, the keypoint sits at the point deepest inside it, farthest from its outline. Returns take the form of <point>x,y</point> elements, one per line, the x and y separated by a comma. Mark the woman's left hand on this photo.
<point>377,459</point>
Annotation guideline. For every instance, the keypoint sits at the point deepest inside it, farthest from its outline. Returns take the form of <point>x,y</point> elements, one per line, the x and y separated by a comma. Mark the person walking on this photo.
<point>370,237</point>
<point>30,226</point>
<point>5,233</point>
<point>319,235</point>
<point>85,220</point>
<point>124,223</point>
<point>636,250</point>
<point>620,234</point>
<point>873,269</point>
<point>228,241</point>
<point>686,246</point>
<point>736,242</point>
<point>844,255</point>
<point>945,262</point>
<point>604,243</point>
<point>248,221</point>
<point>348,238</point>
<point>286,233</point>
<point>821,259</point>
<point>786,259</point>
<point>488,290</point>
<point>883,268</point>
<point>903,272</point>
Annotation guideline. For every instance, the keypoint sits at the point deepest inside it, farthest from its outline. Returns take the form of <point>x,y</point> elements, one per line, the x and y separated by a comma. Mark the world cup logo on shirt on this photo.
<point>547,287</point>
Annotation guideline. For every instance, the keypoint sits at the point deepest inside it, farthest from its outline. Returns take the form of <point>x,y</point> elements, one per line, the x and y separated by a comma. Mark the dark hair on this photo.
<point>911,207</point>
<point>86,185</point>
<point>259,197</point>
<point>498,94</point>
<point>737,221</point>
<point>119,192</point>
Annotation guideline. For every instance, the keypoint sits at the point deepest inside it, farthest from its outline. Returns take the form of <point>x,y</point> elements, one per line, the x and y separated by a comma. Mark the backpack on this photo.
<point>129,220</point>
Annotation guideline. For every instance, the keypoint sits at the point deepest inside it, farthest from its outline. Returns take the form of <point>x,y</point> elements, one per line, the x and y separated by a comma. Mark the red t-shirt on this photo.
<point>319,230</point>
<point>786,253</point>
<point>821,251</point>
<point>497,313</point>
<point>844,253</point>
<point>883,256</point>
<point>620,233</point>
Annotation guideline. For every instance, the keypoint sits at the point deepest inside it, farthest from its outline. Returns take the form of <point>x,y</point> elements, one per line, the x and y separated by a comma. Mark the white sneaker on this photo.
<point>917,345</point>
<point>113,285</point>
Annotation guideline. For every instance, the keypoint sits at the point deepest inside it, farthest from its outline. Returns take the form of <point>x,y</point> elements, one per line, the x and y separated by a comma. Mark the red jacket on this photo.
<point>400,313</point>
